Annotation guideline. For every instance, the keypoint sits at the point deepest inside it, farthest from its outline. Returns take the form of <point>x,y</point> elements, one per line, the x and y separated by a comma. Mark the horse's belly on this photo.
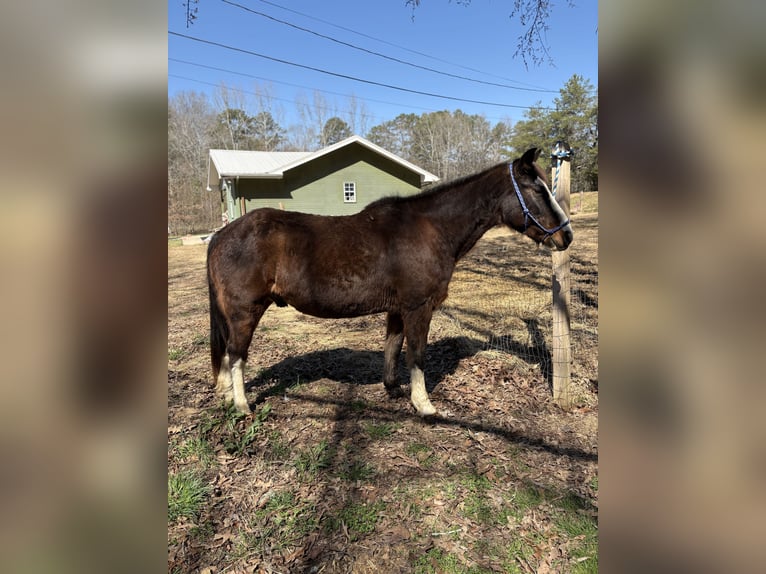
<point>335,309</point>
<point>335,302</point>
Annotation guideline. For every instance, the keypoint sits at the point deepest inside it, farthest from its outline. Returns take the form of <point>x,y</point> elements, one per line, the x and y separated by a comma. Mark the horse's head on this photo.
<point>529,206</point>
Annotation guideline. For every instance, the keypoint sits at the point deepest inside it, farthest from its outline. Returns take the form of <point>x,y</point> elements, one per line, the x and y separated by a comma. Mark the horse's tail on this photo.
<point>219,330</point>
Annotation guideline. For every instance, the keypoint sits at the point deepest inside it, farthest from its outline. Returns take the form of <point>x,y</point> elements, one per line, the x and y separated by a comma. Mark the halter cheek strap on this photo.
<point>528,215</point>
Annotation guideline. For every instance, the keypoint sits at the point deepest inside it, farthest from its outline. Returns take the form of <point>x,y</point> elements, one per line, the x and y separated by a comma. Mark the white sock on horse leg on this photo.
<point>238,380</point>
<point>223,385</point>
<point>418,393</point>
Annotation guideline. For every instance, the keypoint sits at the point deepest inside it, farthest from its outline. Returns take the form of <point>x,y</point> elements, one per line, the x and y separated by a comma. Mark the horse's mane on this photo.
<point>433,190</point>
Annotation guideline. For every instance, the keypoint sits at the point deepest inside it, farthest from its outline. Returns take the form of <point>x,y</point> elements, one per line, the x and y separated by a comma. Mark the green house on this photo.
<point>340,179</point>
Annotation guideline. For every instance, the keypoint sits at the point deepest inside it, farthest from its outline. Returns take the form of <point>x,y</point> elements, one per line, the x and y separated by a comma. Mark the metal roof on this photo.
<point>273,164</point>
<point>227,162</point>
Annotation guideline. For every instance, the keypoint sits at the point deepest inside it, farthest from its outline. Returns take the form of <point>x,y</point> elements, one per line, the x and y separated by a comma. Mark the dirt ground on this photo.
<point>330,475</point>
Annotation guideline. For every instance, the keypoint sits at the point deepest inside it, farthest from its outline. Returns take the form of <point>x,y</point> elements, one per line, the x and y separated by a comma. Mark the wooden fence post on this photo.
<point>561,352</point>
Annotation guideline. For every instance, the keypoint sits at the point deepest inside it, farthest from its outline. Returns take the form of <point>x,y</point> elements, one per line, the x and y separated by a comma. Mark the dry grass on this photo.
<point>330,475</point>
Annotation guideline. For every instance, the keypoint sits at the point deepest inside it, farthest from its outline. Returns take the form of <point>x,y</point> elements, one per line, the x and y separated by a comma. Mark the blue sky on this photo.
<point>475,41</point>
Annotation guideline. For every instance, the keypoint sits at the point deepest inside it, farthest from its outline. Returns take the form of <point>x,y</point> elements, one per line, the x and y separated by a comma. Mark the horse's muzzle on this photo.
<point>560,240</point>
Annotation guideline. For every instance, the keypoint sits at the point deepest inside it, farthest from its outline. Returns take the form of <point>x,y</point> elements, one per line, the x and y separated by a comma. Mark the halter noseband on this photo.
<point>528,215</point>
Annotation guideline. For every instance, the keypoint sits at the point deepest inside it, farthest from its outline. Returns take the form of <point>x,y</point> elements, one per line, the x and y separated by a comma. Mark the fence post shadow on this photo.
<point>535,351</point>
<point>540,348</point>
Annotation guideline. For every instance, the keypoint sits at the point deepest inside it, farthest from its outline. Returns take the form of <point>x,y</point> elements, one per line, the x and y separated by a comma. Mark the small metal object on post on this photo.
<point>561,152</point>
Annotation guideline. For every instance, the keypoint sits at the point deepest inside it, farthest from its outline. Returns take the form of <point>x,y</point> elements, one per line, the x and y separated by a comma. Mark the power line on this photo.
<point>346,76</point>
<point>246,75</point>
<point>391,58</point>
<point>398,46</point>
<point>254,77</point>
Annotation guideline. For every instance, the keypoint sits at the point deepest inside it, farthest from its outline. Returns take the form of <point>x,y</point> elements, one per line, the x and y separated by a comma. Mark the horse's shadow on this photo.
<point>359,367</point>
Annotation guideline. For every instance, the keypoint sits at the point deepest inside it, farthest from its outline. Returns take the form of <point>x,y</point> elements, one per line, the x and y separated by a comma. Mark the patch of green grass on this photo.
<point>223,424</point>
<point>590,564</point>
<point>577,525</point>
<point>203,531</point>
<point>476,482</point>
<point>236,443</point>
<point>214,419</point>
<point>437,561</point>
<point>282,522</point>
<point>175,354</point>
<point>478,504</point>
<point>280,501</point>
<point>359,518</point>
<point>477,507</point>
<point>357,470</point>
<point>525,498</point>
<point>187,491</point>
<point>451,489</point>
<point>519,548</point>
<point>278,448</point>
<point>572,502</point>
<point>311,460</point>
<point>381,430</point>
<point>201,340</point>
<point>576,521</point>
<point>196,449</point>
<point>357,406</point>
<point>414,448</point>
<point>410,498</point>
<point>423,453</point>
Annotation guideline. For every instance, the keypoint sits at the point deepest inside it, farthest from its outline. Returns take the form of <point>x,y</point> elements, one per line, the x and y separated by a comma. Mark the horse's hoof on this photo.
<point>395,392</point>
<point>244,408</point>
<point>427,410</point>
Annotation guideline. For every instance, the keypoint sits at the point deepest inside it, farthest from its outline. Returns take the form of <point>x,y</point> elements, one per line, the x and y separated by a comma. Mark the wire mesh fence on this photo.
<point>501,300</point>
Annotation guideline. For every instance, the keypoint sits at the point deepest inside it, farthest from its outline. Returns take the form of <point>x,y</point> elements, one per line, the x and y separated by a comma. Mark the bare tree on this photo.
<point>191,120</point>
<point>452,144</point>
<point>313,116</point>
<point>357,115</point>
<point>269,118</point>
<point>234,125</point>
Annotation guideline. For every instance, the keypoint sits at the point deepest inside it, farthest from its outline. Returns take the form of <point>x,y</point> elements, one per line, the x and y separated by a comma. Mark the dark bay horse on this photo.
<point>395,256</point>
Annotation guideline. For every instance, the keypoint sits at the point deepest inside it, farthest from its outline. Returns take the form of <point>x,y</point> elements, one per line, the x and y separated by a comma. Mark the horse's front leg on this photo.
<point>392,350</point>
<point>416,325</point>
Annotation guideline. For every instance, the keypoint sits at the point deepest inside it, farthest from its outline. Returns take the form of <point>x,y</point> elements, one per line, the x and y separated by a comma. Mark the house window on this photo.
<point>349,192</point>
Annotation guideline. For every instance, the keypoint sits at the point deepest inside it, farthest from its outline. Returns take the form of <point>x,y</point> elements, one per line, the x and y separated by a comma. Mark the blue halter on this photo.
<point>528,215</point>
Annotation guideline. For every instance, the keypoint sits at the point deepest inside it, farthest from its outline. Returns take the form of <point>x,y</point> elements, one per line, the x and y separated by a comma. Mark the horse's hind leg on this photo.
<point>223,383</point>
<point>241,328</point>
<point>416,326</point>
<point>392,350</point>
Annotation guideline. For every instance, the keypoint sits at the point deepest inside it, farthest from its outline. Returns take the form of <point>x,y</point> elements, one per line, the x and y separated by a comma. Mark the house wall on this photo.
<point>317,187</point>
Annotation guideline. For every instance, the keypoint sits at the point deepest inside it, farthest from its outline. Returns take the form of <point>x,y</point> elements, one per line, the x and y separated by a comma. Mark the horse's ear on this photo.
<point>530,156</point>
